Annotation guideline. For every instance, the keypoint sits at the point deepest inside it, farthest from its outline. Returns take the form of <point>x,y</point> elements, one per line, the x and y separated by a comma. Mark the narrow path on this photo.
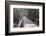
<point>28,22</point>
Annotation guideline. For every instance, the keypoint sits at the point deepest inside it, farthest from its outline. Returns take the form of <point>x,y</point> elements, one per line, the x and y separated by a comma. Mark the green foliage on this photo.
<point>34,13</point>
<point>16,15</point>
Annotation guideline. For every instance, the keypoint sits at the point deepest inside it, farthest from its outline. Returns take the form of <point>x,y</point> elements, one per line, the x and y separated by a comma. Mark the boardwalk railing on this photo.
<point>34,20</point>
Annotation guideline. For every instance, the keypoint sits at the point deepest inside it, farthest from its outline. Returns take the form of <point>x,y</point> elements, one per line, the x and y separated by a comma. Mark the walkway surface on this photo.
<point>28,22</point>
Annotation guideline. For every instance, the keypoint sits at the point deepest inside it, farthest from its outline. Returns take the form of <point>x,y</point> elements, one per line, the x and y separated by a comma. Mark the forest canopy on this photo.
<point>30,13</point>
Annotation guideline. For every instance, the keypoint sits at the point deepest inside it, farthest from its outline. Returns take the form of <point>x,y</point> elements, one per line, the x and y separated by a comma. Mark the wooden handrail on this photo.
<point>34,18</point>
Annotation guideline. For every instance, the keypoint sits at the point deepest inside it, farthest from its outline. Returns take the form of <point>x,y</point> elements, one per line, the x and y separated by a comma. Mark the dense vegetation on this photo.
<point>32,14</point>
